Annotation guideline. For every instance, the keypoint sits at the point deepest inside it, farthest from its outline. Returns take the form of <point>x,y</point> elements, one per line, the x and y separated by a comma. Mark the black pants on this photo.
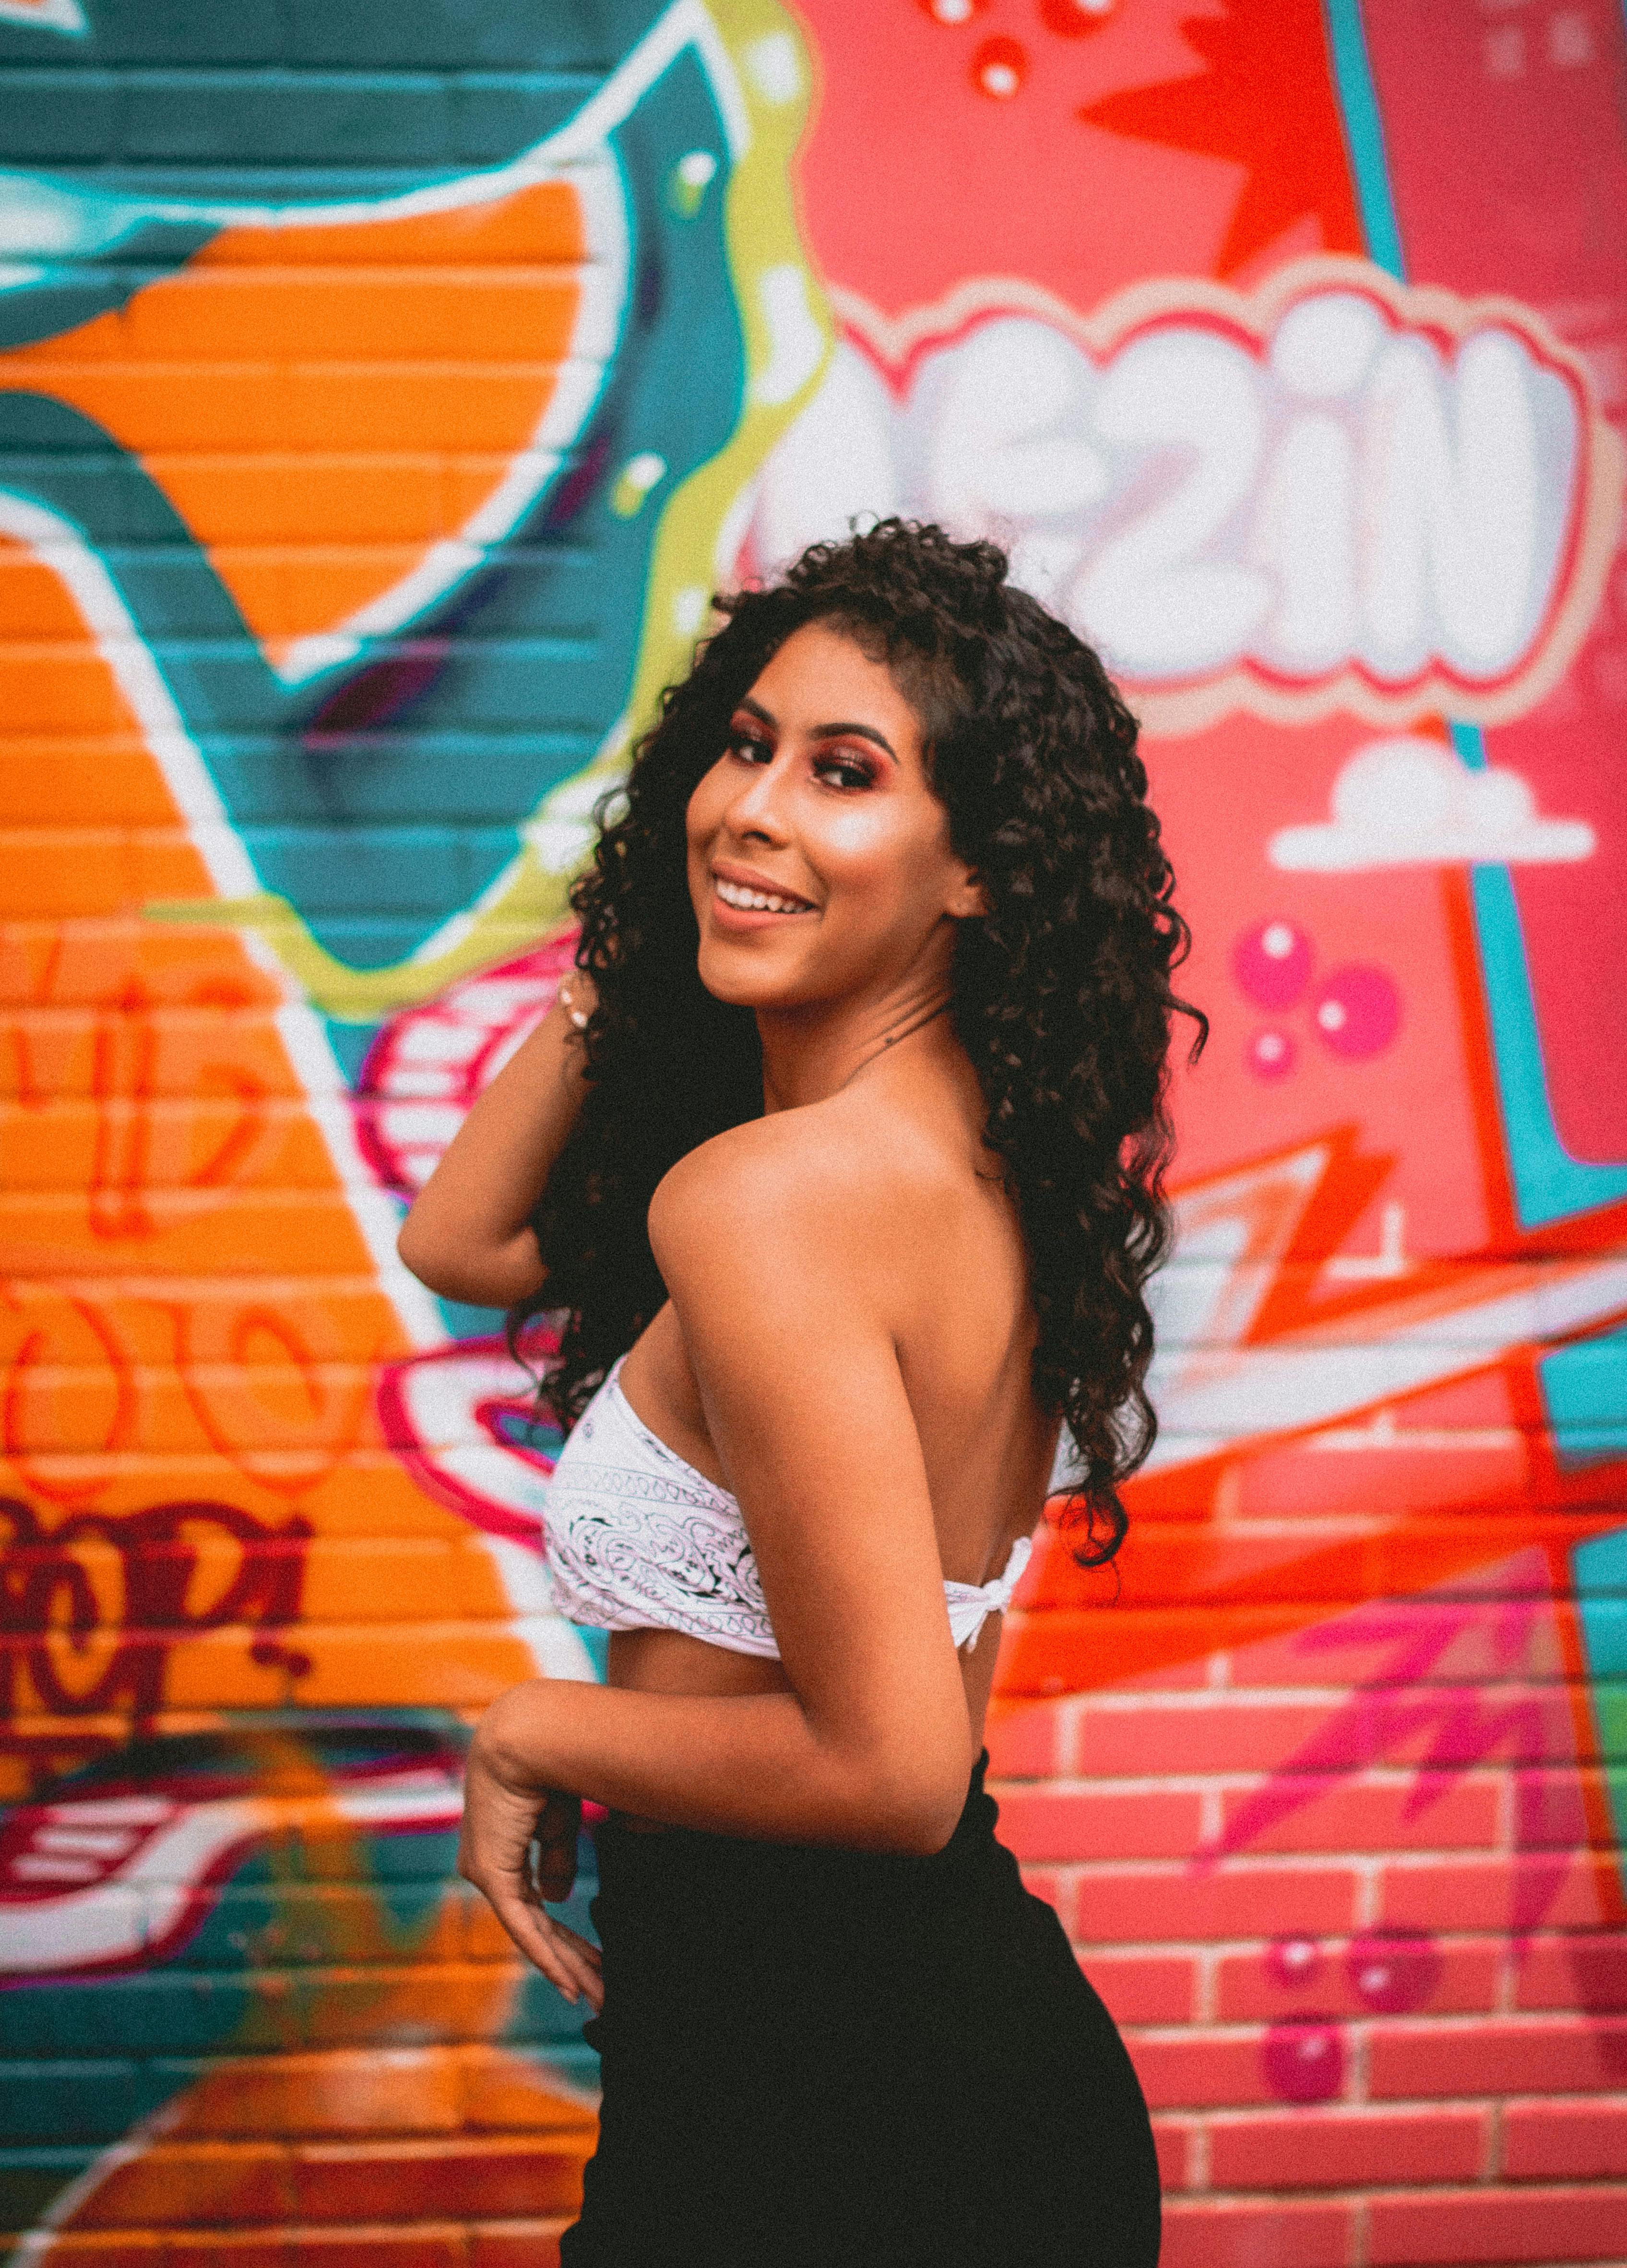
<point>845,2057</point>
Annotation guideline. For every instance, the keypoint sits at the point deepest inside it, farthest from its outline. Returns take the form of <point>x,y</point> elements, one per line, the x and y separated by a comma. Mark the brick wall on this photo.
<point>382,390</point>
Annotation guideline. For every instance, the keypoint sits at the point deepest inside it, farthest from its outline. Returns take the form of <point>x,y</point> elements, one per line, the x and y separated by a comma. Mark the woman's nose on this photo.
<point>758,809</point>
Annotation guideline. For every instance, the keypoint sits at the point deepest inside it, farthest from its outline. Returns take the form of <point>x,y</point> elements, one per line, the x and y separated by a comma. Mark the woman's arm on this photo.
<point>778,1270</point>
<point>468,1236</point>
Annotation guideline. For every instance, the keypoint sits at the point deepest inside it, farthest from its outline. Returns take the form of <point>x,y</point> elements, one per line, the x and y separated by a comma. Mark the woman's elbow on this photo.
<point>423,1254</point>
<point>920,1808</point>
<point>455,1268</point>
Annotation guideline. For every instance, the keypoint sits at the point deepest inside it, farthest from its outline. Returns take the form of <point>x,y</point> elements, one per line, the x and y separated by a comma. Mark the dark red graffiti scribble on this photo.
<point>46,1598</point>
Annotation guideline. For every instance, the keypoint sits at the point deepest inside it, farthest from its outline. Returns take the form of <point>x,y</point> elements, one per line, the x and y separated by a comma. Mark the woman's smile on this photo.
<point>743,899</point>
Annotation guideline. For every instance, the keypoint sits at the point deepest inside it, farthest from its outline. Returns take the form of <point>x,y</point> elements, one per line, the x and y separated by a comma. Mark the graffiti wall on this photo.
<point>384,387</point>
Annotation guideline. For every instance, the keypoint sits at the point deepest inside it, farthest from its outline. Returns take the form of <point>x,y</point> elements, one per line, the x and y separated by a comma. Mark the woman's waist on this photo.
<point>654,1659</point>
<point>655,1844</point>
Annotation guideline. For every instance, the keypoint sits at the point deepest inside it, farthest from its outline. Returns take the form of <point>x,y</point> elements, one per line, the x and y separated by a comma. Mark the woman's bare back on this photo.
<point>944,1236</point>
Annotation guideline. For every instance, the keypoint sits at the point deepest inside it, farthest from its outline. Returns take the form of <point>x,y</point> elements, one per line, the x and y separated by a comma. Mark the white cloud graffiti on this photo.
<point>1409,802</point>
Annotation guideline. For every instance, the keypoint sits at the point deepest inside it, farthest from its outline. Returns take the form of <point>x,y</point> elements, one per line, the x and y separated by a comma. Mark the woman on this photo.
<point>841,1154</point>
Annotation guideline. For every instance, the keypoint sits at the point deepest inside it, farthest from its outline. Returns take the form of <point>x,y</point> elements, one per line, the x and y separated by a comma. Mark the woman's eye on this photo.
<point>844,772</point>
<point>748,745</point>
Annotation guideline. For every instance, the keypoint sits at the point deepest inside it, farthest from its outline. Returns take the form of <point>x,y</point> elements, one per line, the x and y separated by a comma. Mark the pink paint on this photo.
<point>1293,1962</point>
<point>1408,1711</point>
<point>1356,1012</point>
<point>1272,962</point>
<point>1505,142</point>
<point>1393,1972</point>
<point>1304,2062</point>
<point>428,1063</point>
<point>1272,1053</point>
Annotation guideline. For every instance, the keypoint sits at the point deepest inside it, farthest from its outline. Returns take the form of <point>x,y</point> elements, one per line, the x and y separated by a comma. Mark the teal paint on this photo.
<point>383,798</point>
<point>1581,1384</point>
<point>1585,1393</point>
<point>1601,1574</point>
<point>1363,133</point>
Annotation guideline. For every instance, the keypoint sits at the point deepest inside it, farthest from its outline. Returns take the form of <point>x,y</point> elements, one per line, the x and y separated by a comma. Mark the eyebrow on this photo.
<point>821,731</point>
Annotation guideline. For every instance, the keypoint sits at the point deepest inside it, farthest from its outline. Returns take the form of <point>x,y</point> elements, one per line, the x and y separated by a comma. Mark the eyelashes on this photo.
<point>740,741</point>
<point>852,771</point>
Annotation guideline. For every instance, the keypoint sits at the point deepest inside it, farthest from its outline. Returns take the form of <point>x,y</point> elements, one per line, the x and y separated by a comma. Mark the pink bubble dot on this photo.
<point>1395,1974</point>
<point>1305,2062</point>
<point>999,68</point>
<point>951,13</point>
<point>1271,1054</point>
<point>1072,18</point>
<point>1272,962</point>
<point>1292,1962</point>
<point>1357,1011</point>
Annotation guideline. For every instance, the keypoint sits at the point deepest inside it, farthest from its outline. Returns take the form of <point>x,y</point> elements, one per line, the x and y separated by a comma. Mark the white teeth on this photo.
<point>733,894</point>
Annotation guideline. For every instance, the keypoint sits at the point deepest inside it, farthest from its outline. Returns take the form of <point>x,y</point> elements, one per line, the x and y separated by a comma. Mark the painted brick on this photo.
<point>1584,1971</point>
<point>1570,1891</point>
<point>1429,1812</point>
<point>1096,1823</point>
<point>1537,2055</point>
<point>517,2244</point>
<point>1317,2149</point>
<point>502,2093</point>
<point>428,2245</point>
<point>1456,1643</point>
<point>399,2090</point>
<point>1577,2141</point>
<point>125,2250</point>
<point>1280,2235</point>
<point>1044,1882</point>
<point>1044,1644</point>
<point>1213,1733</point>
<point>1199,2071</point>
<point>234,2247</point>
<point>1539,2226</point>
<point>350,2007</point>
<point>1143,1905</point>
<point>471,2178</point>
<point>1452,1975</point>
<point>1176,2143</point>
<point>1146,1988</point>
<point>1553,1809</point>
<point>182,2183</point>
<point>1023,1741</point>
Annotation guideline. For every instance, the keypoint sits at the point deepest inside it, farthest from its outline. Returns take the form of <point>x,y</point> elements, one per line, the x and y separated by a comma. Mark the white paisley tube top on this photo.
<point>637,1539</point>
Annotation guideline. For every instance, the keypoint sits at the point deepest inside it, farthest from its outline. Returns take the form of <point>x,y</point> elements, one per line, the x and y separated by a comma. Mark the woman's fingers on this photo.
<point>565,1959</point>
<point>517,1848</point>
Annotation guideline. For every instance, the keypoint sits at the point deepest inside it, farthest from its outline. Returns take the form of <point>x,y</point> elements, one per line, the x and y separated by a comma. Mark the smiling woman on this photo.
<point>841,1158</point>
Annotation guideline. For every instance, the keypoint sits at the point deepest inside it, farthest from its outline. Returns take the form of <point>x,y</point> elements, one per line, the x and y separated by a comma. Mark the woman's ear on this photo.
<point>969,900</point>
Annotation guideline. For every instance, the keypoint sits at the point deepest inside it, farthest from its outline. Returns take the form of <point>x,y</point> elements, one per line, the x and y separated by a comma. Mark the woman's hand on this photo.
<point>517,1847</point>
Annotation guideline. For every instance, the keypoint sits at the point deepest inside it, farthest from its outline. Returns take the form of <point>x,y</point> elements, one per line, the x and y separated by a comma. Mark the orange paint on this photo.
<point>274,343</point>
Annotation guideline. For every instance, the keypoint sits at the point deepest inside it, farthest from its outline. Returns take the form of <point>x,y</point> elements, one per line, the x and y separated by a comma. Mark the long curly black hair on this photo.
<point>1062,993</point>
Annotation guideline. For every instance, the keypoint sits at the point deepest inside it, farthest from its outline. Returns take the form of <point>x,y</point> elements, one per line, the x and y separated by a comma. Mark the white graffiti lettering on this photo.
<point>1339,493</point>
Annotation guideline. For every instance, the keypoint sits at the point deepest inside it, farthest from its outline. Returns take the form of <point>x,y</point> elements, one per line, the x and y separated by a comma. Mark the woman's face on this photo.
<point>819,862</point>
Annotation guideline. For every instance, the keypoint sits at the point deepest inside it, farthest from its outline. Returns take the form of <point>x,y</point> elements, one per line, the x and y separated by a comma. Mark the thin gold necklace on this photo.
<point>893,1038</point>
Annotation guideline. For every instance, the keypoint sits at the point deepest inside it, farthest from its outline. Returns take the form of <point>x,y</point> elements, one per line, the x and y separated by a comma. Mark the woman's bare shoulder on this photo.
<point>836,1169</point>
